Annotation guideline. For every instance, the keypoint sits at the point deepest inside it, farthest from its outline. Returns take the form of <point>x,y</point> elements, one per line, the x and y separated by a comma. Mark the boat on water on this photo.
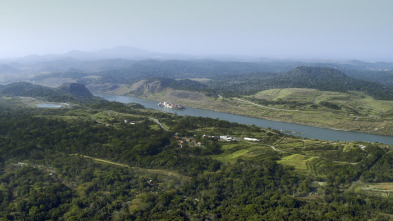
<point>170,105</point>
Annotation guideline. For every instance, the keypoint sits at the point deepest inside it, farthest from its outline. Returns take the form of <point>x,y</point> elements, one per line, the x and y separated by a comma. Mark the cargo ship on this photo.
<point>170,105</point>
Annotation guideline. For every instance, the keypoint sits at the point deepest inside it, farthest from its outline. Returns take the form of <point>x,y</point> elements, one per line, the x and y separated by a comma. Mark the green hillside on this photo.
<point>321,78</point>
<point>109,161</point>
<point>353,111</point>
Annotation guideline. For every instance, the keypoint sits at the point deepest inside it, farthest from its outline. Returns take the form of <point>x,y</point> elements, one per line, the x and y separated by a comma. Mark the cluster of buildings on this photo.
<point>193,142</point>
<point>188,140</point>
<point>229,138</point>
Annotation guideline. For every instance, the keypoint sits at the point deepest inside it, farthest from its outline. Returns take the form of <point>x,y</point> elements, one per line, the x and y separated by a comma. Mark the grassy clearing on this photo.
<point>229,146</point>
<point>234,151</point>
<point>290,143</point>
<point>358,112</point>
<point>231,157</point>
<point>103,116</point>
<point>293,94</point>
<point>301,163</point>
<point>155,127</point>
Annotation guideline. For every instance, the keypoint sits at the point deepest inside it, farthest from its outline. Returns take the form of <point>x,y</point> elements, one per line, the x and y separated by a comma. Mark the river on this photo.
<point>300,130</point>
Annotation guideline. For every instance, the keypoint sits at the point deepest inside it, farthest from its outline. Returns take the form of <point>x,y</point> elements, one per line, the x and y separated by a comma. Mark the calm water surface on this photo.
<point>301,130</point>
<point>44,105</point>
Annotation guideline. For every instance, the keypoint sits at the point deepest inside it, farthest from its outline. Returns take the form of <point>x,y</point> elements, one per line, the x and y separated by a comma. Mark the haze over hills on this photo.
<point>121,52</point>
<point>230,76</point>
<point>133,62</point>
<point>230,84</point>
<point>134,53</point>
<point>4,68</point>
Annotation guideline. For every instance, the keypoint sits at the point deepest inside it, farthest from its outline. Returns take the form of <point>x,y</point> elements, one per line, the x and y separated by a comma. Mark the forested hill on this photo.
<point>78,90</point>
<point>67,92</point>
<point>184,84</point>
<point>321,78</point>
<point>330,79</point>
<point>317,75</point>
<point>26,89</point>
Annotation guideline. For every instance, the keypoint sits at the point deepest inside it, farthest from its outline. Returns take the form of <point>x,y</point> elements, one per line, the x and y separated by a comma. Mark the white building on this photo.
<point>251,139</point>
<point>227,138</point>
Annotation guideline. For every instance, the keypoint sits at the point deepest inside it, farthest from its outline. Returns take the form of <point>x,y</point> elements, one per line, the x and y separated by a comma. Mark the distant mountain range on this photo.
<point>124,52</point>
<point>129,53</point>
<point>133,53</point>
<point>130,64</point>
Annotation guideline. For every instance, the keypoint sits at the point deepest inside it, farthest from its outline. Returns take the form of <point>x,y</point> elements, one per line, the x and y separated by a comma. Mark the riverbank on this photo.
<point>300,130</point>
<point>344,120</point>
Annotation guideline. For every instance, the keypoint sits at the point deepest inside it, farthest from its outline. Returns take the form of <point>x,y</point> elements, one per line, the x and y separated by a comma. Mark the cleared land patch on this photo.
<point>232,152</point>
<point>298,161</point>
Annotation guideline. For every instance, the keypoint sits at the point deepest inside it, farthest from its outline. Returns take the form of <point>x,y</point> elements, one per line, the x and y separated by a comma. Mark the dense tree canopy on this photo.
<point>87,163</point>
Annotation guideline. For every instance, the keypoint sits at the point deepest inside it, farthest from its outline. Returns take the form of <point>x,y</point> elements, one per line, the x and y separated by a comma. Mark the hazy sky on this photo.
<point>334,29</point>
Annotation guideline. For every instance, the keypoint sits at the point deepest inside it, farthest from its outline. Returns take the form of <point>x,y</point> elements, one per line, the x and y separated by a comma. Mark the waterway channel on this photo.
<point>289,128</point>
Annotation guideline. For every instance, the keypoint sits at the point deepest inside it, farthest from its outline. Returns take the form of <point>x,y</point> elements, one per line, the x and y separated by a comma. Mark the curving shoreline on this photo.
<point>312,132</point>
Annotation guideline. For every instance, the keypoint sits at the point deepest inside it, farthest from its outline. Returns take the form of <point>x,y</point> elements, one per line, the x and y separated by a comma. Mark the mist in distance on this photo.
<point>274,29</point>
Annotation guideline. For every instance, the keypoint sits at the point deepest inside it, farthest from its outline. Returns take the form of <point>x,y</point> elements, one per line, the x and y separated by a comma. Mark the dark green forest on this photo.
<point>86,163</point>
